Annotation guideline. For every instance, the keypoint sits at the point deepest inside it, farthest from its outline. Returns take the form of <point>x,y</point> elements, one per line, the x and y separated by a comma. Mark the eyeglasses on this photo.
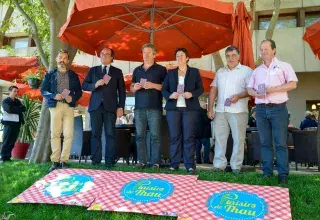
<point>105,54</point>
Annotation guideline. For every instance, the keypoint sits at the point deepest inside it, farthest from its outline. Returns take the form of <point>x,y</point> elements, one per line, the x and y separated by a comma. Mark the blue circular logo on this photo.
<point>147,190</point>
<point>68,185</point>
<point>236,205</point>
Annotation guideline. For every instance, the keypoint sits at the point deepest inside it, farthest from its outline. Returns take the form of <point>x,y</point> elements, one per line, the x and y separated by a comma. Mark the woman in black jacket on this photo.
<point>181,88</point>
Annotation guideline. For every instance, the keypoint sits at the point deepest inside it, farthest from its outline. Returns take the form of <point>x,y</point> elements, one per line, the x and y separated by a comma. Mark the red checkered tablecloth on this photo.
<point>111,200</point>
<point>36,193</point>
<point>277,199</point>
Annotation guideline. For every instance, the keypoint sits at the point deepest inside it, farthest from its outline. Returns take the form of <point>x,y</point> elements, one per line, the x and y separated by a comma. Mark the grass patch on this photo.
<point>17,176</point>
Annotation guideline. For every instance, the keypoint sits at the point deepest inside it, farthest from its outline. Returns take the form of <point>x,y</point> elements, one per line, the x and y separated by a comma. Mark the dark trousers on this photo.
<point>10,135</point>
<point>100,118</point>
<point>206,149</point>
<point>272,121</point>
<point>182,125</point>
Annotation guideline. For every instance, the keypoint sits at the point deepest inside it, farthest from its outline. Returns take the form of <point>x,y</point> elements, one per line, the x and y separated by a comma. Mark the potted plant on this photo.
<point>34,79</point>
<point>27,130</point>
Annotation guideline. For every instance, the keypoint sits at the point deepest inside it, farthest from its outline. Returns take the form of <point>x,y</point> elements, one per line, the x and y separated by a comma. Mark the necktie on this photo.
<point>104,70</point>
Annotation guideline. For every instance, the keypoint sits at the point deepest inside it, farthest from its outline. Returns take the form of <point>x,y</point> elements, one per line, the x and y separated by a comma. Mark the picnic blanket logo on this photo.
<point>236,205</point>
<point>68,185</point>
<point>147,190</point>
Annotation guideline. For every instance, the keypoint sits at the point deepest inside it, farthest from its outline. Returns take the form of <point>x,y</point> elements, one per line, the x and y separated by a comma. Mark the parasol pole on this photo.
<point>152,9</point>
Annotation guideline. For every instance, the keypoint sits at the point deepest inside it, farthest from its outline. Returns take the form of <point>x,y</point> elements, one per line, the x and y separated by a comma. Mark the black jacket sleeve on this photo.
<point>199,87</point>
<point>78,91</point>
<point>121,90</point>
<point>87,84</point>
<point>11,108</point>
<point>166,87</point>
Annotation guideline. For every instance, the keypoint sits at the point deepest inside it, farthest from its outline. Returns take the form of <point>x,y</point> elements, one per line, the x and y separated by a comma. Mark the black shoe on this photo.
<point>283,180</point>
<point>199,162</point>
<point>173,169</point>
<point>64,165</point>
<point>54,166</point>
<point>266,176</point>
<point>109,166</point>
<point>140,166</point>
<point>5,160</point>
<point>93,163</point>
<point>156,166</point>
<point>191,171</point>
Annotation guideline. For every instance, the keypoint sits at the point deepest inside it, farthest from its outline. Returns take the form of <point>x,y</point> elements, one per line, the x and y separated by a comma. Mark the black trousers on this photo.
<point>10,135</point>
<point>100,118</point>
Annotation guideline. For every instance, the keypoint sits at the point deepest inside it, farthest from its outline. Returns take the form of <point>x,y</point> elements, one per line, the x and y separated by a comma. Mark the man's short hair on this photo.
<point>64,51</point>
<point>232,48</point>
<point>149,45</point>
<point>11,88</point>
<point>112,52</point>
<point>272,43</point>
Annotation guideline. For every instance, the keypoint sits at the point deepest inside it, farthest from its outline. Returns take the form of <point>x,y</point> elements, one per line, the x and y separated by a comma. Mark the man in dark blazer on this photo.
<point>106,83</point>
<point>11,105</point>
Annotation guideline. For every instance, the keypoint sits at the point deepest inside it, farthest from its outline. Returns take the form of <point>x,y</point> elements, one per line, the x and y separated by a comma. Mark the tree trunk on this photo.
<point>272,25</point>
<point>318,140</point>
<point>218,62</point>
<point>58,15</point>
<point>4,24</point>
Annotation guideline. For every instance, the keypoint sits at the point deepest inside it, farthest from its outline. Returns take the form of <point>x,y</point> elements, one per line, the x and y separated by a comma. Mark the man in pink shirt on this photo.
<point>269,84</point>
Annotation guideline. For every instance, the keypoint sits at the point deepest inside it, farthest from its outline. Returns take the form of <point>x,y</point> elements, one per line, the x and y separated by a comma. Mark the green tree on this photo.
<point>7,20</point>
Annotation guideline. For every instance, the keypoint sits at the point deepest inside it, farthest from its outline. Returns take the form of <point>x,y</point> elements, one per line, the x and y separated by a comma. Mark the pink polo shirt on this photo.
<point>277,74</point>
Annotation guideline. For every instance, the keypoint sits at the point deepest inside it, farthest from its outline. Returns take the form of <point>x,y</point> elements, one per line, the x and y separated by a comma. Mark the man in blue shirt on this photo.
<point>146,85</point>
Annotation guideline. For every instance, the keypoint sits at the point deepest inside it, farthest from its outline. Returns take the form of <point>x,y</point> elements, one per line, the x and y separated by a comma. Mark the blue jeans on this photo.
<point>151,118</point>
<point>273,121</point>
<point>182,125</point>
<point>206,149</point>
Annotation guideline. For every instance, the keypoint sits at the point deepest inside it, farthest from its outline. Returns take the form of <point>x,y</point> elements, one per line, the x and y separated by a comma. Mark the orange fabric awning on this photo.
<point>11,68</point>
<point>242,36</point>
<point>202,27</point>
<point>312,37</point>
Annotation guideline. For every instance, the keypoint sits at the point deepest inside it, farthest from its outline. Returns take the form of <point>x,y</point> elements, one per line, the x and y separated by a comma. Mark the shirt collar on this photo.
<point>237,67</point>
<point>108,66</point>
<point>273,63</point>
<point>154,64</point>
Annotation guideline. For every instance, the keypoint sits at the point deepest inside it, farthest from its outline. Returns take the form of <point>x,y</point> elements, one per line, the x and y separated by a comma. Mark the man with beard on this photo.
<point>62,89</point>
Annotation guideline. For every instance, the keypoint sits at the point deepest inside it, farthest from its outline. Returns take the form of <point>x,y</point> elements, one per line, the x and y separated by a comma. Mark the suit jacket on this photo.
<point>49,88</point>
<point>192,84</point>
<point>106,94</point>
<point>13,107</point>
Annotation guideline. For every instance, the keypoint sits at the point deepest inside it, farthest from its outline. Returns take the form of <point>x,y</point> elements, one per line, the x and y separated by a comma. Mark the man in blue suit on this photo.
<point>106,83</point>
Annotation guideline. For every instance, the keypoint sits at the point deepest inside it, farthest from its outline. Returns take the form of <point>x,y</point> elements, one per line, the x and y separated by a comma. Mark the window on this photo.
<point>311,18</point>
<point>284,21</point>
<point>19,42</point>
